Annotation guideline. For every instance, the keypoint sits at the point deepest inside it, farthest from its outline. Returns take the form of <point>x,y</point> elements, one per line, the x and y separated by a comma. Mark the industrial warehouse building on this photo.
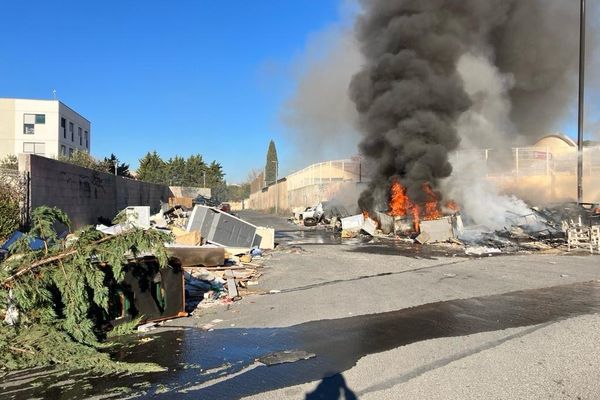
<point>44,127</point>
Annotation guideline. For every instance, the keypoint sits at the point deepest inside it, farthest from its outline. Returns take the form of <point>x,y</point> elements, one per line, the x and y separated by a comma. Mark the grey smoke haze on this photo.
<point>438,71</point>
<point>319,116</point>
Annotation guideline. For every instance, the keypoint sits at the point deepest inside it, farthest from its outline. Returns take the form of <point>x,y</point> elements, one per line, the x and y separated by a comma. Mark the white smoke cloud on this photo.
<point>486,124</point>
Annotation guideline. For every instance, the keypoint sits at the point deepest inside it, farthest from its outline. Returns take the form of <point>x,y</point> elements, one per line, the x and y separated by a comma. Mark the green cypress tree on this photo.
<point>152,168</point>
<point>272,164</point>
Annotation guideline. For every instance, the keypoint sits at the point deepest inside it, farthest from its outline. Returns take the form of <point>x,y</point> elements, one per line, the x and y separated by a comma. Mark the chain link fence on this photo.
<point>533,161</point>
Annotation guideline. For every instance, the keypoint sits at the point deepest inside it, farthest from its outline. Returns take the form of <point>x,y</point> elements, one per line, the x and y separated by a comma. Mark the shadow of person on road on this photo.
<point>332,388</point>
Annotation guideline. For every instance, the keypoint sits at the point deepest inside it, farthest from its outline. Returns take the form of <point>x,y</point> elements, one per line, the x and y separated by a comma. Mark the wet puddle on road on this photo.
<point>222,364</point>
<point>367,244</point>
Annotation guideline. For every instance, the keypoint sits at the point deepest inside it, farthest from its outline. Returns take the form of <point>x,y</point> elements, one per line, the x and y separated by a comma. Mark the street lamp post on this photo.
<point>580,122</point>
<point>276,186</point>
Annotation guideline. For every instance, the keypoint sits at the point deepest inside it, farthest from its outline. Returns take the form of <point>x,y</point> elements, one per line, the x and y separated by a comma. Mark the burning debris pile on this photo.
<point>441,76</point>
<point>565,226</point>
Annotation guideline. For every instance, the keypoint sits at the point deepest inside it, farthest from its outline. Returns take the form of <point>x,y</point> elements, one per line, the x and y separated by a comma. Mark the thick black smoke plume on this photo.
<point>409,94</point>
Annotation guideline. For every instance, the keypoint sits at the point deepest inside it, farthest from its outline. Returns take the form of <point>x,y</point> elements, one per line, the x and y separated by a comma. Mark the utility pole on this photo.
<point>116,164</point>
<point>276,186</point>
<point>580,122</point>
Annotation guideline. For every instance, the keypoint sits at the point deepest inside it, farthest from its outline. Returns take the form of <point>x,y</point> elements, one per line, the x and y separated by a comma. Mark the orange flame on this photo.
<point>401,205</point>
<point>416,211</point>
<point>452,206</point>
<point>399,201</point>
<point>432,207</point>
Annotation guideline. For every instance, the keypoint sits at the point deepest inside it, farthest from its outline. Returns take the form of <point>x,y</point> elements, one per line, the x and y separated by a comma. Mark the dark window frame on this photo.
<point>63,125</point>
<point>25,130</point>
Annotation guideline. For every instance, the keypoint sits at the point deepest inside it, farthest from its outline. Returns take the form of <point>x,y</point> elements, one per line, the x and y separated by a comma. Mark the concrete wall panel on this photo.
<point>84,194</point>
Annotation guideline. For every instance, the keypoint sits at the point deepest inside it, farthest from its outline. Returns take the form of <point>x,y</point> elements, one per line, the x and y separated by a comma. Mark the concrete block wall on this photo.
<point>84,194</point>
<point>266,200</point>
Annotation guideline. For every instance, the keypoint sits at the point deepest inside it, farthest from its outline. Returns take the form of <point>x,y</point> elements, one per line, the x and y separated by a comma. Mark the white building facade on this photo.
<point>44,127</point>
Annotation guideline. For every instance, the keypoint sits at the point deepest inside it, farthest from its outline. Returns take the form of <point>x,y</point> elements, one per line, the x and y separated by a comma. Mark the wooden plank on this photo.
<point>253,265</point>
<point>231,286</point>
<point>188,238</point>
<point>232,267</point>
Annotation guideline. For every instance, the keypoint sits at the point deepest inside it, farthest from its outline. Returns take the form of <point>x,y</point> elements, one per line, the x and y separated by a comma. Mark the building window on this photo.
<point>28,129</point>
<point>34,148</point>
<point>70,152</point>
<point>63,126</point>
<point>63,150</point>
<point>87,140</point>
<point>30,121</point>
<point>71,131</point>
<point>28,124</point>
<point>80,136</point>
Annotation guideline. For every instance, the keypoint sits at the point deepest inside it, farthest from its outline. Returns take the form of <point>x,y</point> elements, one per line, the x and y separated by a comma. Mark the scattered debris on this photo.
<point>439,230</point>
<point>88,271</point>
<point>146,327</point>
<point>231,285</point>
<point>267,237</point>
<point>142,269</point>
<point>287,356</point>
<point>192,256</point>
<point>221,228</point>
<point>481,250</point>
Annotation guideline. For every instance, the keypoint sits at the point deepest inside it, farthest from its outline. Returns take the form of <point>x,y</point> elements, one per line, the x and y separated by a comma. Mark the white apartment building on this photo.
<point>45,127</point>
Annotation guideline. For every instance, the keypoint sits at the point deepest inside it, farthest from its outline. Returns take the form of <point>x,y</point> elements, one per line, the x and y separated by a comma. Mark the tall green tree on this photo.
<point>176,170</point>
<point>9,162</point>
<point>195,168</point>
<point>272,164</point>
<point>152,168</point>
<point>214,174</point>
<point>238,192</point>
<point>82,159</point>
<point>108,165</point>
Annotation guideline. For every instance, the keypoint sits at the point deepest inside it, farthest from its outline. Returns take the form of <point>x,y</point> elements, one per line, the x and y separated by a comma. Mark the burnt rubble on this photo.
<point>564,227</point>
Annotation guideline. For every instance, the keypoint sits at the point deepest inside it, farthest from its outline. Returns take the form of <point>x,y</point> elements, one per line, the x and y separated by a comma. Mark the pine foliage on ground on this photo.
<point>59,289</point>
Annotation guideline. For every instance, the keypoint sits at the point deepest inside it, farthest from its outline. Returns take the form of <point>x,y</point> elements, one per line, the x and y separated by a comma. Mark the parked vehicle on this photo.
<point>225,207</point>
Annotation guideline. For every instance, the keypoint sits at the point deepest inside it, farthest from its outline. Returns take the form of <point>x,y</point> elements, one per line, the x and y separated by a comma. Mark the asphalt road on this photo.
<point>558,359</point>
<point>377,319</point>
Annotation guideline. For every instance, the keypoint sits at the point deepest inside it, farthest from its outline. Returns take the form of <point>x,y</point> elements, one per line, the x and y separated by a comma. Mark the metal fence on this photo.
<point>533,161</point>
<point>329,171</point>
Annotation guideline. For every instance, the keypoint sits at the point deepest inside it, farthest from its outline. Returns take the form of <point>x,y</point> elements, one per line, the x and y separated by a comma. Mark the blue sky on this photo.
<point>179,77</point>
